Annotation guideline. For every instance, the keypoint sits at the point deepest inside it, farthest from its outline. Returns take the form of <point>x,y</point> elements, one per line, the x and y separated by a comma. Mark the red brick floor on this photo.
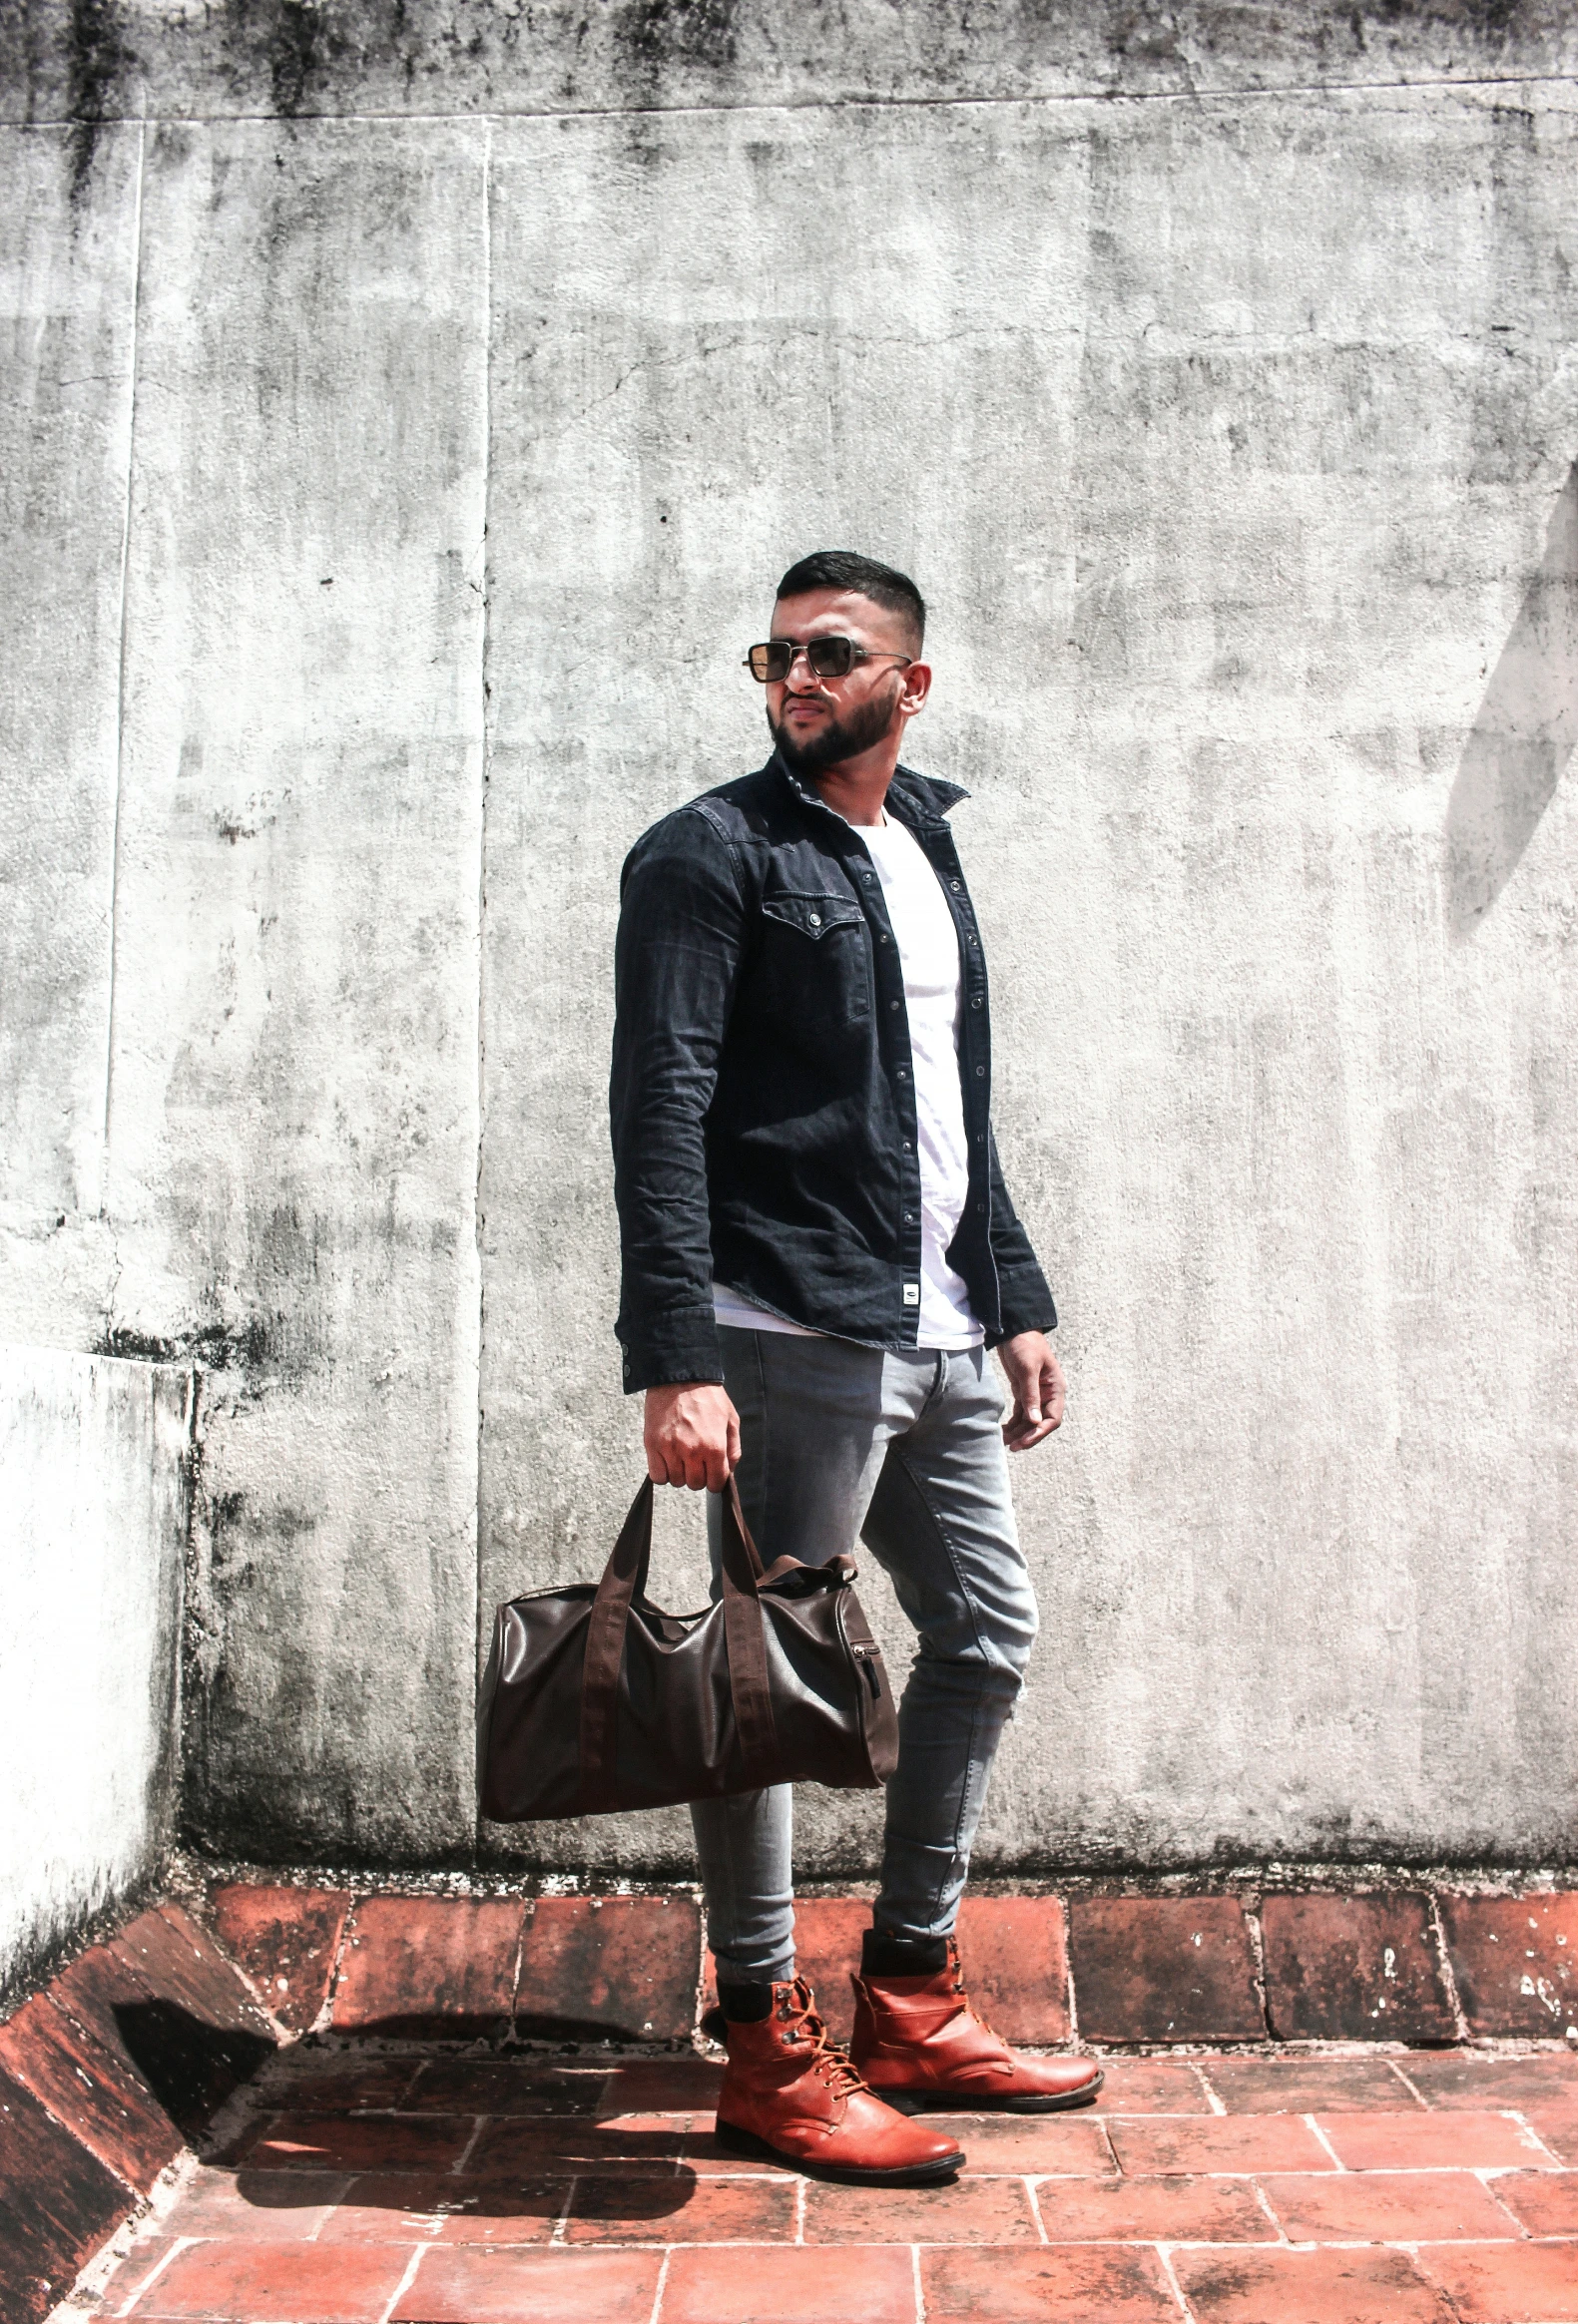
<point>434,2187</point>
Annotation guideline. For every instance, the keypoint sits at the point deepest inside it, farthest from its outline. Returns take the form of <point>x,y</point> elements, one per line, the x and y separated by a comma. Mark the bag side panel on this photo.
<point>878,1703</point>
<point>485,1695</point>
<point>533,1765</point>
<point>817,1692</point>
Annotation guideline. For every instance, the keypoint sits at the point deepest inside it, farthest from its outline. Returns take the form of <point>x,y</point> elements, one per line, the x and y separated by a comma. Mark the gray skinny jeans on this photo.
<point>904,1450</point>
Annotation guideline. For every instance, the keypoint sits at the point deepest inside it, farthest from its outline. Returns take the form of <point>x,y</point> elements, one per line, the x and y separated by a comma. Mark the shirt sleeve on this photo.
<point>675,966</point>
<point>1025,1300</point>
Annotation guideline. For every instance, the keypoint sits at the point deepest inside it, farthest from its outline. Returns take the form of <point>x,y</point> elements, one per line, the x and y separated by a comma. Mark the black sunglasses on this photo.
<point>770,663</point>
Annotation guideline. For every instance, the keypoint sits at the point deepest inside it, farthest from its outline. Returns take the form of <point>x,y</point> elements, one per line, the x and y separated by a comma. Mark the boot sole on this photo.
<point>912,2175</point>
<point>971,2101</point>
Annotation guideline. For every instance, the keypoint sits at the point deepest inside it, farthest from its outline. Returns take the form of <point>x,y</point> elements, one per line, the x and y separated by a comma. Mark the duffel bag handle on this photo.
<point>745,1627</point>
<point>623,1577</point>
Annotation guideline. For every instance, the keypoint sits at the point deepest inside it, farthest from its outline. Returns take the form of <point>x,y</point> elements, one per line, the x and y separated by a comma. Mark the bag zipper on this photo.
<point>866,1656</point>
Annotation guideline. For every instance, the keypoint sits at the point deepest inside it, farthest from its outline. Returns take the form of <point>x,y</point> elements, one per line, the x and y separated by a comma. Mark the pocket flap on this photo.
<point>812,915</point>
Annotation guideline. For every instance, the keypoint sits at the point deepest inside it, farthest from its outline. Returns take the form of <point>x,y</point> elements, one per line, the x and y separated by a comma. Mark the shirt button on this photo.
<point>980,1206</point>
<point>975,1003</point>
<point>955,885</point>
<point>903,1072</point>
<point>981,1073</point>
<point>908,1149</point>
<point>909,1220</point>
<point>816,919</point>
<point>884,940</point>
<point>892,1004</point>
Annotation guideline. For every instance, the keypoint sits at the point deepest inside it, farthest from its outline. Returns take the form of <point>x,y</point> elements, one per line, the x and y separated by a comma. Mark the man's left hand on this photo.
<point>1035,1378</point>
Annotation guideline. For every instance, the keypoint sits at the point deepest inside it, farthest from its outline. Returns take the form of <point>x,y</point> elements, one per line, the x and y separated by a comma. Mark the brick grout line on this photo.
<point>1411,2087</point>
<point>1314,2126</point>
<point>1443,1954</point>
<point>1164,2254</point>
<point>799,2210</point>
<point>561,2226</point>
<point>419,2068</point>
<point>406,2278</point>
<point>1216,2104</point>
<point>1265,2201</point>
<point>347,2180</point>
<point>181,2243</point>
<point>1257,1936</point>
<point>479,2124</point>
<point>921,2291</point>
<point>1484,2177</point>
<point>528,1903</point>
<point>1064,1907</point>
<point>1035,2209</point>
<point>324,2019</point>
<point>1523,2123</point>
<point>661,2286</point>
<point>700,1978</point>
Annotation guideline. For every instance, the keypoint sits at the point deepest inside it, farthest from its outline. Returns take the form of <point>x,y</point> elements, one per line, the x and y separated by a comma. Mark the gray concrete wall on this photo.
<point>406,427</point>
<point>94,1458</point>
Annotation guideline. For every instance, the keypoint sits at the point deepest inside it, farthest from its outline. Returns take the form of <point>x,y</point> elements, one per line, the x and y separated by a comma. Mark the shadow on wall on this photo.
<point>1524,733</point>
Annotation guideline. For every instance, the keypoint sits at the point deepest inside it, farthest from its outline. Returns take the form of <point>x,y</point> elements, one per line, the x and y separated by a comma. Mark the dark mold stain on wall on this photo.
<point>655,33</point>
<point>214,1347</point>
<point>295,46</point>
<point>97,56</point>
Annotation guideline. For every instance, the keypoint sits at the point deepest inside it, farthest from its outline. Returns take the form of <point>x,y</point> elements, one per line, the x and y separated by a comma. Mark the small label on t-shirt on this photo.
<point>911,1294</point>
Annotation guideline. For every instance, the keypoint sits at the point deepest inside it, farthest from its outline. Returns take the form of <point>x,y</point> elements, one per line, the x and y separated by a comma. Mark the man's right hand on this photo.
<point>691,1436</point>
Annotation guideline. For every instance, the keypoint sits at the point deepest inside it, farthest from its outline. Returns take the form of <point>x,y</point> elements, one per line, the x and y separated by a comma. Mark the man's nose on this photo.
<point>810,681</point>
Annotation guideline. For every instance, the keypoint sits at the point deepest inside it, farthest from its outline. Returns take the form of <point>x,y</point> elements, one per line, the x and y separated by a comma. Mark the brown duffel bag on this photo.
<point>594,1699</point>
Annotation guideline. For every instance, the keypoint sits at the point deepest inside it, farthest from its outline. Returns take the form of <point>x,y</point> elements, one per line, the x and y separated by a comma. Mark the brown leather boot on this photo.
<point>919,2043</point>
<point>790,2094</point>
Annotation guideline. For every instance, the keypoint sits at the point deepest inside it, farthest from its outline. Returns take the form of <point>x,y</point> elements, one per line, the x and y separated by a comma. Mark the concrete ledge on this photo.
<point>1410,1965</point>
<point>105,2077</point>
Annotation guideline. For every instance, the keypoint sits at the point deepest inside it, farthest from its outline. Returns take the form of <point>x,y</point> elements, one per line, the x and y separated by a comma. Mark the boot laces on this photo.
<point>830,2063</point>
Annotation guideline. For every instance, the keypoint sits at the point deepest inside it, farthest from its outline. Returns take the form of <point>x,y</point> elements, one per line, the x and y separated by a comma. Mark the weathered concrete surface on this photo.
<point>97,60</point>
<point>294,1108</point>
<point>66,302</point>
<point>1233,443</point>
<point>1227,446</point>
<point>92,1541</point>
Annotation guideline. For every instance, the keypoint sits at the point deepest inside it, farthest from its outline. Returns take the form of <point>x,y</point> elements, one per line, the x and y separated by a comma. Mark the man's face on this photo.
<point>819,722</point>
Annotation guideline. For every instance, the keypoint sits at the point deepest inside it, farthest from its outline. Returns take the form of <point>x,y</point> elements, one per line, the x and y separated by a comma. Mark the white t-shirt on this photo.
<point>928,950</point>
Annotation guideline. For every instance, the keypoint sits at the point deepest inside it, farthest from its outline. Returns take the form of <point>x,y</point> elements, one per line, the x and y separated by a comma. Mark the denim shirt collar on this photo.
<point>925,799</point>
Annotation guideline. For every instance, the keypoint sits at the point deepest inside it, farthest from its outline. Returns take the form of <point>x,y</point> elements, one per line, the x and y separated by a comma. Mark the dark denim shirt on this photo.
<point>763,1092</point>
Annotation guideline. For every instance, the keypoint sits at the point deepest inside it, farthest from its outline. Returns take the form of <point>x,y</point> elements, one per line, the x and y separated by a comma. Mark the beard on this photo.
<point>838,738</point>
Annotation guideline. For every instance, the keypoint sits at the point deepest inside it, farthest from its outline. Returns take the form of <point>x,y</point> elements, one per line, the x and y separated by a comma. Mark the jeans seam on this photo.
<point>767,1431</point>
<point>976,1708</point>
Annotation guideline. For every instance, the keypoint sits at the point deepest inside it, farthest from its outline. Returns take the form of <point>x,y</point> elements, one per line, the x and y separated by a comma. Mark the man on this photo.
<point>819,1247</point>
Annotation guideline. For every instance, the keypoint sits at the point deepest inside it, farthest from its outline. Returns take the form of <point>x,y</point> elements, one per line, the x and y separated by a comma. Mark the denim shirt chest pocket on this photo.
<point>816,955</point>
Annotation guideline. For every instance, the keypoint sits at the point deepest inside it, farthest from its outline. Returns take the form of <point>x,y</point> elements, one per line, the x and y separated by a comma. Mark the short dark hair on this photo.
<point>843,568</point>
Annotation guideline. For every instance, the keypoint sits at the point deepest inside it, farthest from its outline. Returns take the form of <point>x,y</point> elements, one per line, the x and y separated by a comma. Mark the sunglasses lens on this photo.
<point>830,656</point>
<point>769,665</point>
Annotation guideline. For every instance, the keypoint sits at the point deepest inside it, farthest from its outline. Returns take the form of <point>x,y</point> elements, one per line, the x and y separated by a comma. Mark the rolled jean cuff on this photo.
<point>730,1969</point>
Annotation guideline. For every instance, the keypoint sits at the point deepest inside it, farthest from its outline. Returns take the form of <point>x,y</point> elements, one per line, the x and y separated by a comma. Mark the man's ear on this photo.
<point>917,686</point>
